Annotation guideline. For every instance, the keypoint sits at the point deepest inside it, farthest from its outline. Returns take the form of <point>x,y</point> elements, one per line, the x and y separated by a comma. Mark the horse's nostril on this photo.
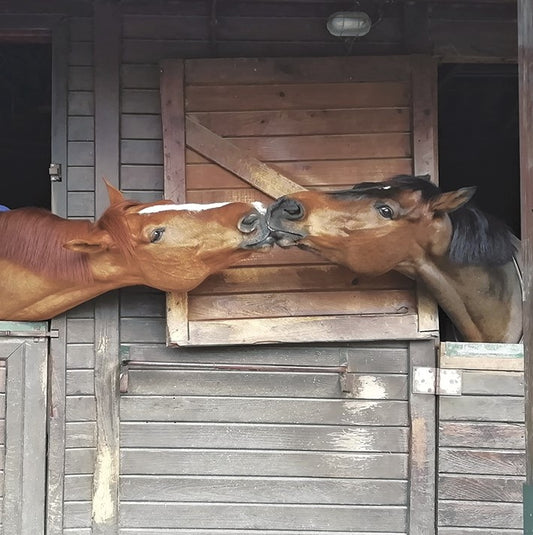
<point>292,209</point>
<point>248,223</point>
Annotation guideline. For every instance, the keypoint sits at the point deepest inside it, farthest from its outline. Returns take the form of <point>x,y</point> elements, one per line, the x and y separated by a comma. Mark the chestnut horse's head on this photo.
<point>372,228</point>
<point>170,246</point>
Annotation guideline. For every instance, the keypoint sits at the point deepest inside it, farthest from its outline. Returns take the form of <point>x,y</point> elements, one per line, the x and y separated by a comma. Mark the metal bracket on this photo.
<point>54,333</point>
<point>55,172</point>
<point>437,381</point>
<point>126,365</point>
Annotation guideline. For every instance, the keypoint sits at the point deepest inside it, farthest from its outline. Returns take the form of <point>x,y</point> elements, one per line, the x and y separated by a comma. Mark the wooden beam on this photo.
<point>105,499</point>
<point>525,69</point>
<point>172,86</point>
<point>238,161</point>
<point>58,346</point>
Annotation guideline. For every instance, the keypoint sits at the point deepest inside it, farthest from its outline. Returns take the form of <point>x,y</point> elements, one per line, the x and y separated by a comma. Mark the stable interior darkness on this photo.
<point>25,112</point>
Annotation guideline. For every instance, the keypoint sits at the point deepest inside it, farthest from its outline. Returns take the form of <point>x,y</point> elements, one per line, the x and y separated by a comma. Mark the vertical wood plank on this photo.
<point>57,387</point>
<point>424,117</point>
<point>525,71</point>
<point>422,447</point>
<point>172,88</point>
<point>105,497</point>
<point>24,484</point>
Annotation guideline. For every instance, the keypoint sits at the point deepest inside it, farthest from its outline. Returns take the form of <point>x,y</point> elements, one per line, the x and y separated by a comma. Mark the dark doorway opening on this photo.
<point>479,141</point>
<point>25,116</point>
<point>478,136</point>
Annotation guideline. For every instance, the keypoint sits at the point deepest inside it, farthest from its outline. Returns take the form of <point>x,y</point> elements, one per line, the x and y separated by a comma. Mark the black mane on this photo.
<point>478,238</point>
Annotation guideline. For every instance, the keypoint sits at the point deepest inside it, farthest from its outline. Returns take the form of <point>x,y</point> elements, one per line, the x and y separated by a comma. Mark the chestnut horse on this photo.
<point>49,264</point>
<point>466,258</point>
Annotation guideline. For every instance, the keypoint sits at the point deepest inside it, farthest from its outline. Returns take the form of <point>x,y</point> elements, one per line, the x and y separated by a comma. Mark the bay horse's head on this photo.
<point>170,246</point>
<point>374,227</point>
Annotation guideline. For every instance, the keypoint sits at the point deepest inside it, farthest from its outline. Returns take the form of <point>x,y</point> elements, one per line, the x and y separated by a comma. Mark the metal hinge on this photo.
<point>437,381</point>
<point>55,172</point>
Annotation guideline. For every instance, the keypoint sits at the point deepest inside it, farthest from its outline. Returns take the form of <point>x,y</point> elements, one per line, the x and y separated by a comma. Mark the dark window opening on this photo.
<point>478,136</point>
<point>25,116</point>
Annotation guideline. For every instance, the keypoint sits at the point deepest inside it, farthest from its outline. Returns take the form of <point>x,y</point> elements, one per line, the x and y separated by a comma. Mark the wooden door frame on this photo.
<point>25,361</point>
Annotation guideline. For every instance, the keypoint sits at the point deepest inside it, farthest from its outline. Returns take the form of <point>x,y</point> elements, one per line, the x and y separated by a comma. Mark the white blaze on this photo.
<point>156,209</point>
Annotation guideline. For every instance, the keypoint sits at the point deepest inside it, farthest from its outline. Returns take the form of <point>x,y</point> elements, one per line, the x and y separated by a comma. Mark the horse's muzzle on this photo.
<point>255,230</point>
<point>281,217</point>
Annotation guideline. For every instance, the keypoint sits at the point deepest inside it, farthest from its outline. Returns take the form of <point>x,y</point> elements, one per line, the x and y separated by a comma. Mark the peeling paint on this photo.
<point>353,440</point>
<point>103,507</point>
<point>370,387</point>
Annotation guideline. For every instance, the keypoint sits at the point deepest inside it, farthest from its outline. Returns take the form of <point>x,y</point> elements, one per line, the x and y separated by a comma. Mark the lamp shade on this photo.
<point>349,24</point>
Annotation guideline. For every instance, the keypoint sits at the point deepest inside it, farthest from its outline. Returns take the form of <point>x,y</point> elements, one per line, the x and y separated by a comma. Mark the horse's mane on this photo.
<point>478,238</point>
<point>34,237</point>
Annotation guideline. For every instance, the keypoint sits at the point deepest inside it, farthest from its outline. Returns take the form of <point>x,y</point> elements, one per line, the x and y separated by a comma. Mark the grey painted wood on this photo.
<point>422,448</point>
<point>25,450</point>
<point>107,35</point>
<point>57,363</point>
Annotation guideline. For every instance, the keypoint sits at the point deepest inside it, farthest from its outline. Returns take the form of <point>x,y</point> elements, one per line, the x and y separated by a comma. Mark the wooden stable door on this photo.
<point>256,129</point>
<point>23,388</point>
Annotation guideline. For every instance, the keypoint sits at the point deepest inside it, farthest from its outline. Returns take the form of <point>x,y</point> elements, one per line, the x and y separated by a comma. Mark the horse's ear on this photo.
<point>452,200</point>
<point>115,196</point>
<point>96,242</point>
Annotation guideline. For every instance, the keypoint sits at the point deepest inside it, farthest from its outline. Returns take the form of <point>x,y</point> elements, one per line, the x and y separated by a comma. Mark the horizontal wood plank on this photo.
<point>216,516</point>
<point>292,304</point>
<point>304,70</point>
<point>481,488</point>
<point>258,410</point>
<point>330,174</point>
<point>311,329</point>
<point>490,462</point>
<point>492,435</point>
<point>293,148</point>
<point>480,514</point>
<point>482,408</point>
<point>249,490</point>
<point>296,96</point>
<point>304,122</point>
<point>260,436</point>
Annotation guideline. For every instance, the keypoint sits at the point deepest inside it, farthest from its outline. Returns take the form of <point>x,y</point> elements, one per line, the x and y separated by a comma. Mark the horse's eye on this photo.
<point>385,211</point>
<point>156,235</point>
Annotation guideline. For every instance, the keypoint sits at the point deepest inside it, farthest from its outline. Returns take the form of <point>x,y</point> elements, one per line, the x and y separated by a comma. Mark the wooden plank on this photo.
<point>296,96</point>
<point>496,462</point>
<point>424,117</point>
<point>308,173</point>
<point>493,383</point>
<point>292,304</point>
<point>422,448</point>
<point>104,509</point>
<point>235,160</point>
<point>296,148</point>
<point>480,514</point>
<point>233,463</point>
<point>25,450</point>
<point>491,435</point>
<point>264,490</point>
<point>216,516</point>
<point>304,70</point>
<point>481,488</point>
<point>305,122</point>
<point>525,88</point>
<point>310,328</point>
<point>504,357</point>
<point>265,437</point>
<point>257,410</point>
<point>482,408</point>
<point>248,489</point>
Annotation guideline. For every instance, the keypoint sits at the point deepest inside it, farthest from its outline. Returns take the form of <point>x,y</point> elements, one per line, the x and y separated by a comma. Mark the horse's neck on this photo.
<point>483,303</point>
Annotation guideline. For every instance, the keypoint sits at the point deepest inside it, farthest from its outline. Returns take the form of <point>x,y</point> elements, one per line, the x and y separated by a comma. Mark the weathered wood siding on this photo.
<point>482,452</point>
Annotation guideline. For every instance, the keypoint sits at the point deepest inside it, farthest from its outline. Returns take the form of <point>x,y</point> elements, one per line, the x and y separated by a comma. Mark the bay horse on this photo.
<point>467,259</point>
<point>49,264</point>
